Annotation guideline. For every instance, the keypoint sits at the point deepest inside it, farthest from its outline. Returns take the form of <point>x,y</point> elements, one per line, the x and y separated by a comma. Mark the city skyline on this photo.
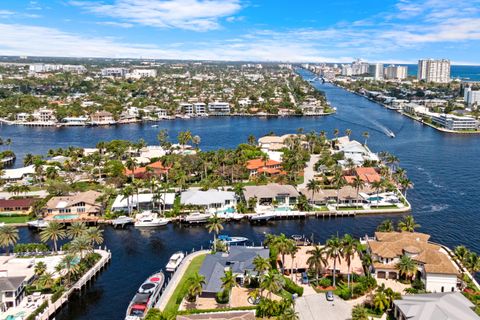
<point>383,31</point>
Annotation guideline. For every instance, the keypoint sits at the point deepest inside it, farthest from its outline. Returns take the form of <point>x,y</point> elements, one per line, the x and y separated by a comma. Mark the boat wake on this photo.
<point>435,207</point>
<point>379,128</point>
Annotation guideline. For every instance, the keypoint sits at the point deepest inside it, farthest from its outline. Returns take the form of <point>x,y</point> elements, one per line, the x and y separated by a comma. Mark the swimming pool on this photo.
<point>282,209</point>
<point>228,210</point>
<point>65,216</point>
<point>375,199</point>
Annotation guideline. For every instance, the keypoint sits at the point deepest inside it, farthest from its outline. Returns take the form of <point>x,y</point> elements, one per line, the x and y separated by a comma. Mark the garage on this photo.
<point>381,274</point>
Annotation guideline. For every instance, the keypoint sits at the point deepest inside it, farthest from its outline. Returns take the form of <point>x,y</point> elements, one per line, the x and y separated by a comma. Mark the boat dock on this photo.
<point>83,282</point>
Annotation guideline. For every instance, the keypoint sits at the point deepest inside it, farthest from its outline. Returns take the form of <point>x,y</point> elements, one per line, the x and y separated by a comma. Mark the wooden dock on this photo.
<point>83,282</point>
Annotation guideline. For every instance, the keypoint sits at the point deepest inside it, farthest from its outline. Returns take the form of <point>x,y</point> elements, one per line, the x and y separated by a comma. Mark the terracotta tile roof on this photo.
<point>368,174</point>
<point>15,203</point>
<point>256,164</point>
<point>157,167</point>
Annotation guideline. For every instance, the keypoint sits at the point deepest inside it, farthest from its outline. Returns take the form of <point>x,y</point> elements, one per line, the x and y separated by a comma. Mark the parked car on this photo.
<point>304,278</point>
<point>329,296</point>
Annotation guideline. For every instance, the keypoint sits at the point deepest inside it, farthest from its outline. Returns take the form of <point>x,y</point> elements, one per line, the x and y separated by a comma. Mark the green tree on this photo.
<point>406,267</point>
<point>53,232</point>
<point>261,265</point>
<point>76,229</point>
<point>272,282</point>
<point>359,313</point>
<point>358,184</point>
<point>313,186</point>
<point>408,224</point>
<point>95,235</point>
<point>195,285</point>
<point>349,249</point>
<point>40,268</point>
<point>333,250</point>
<point>8,237</point>
<point>317,260</point>
<point>386,226</point>
<point>214,225</point>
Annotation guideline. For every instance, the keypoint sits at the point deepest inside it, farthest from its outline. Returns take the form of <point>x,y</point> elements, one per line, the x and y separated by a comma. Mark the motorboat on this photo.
<point>150,219</point>
<point>197,217</point>
<point>146,297</point>
<point>391,135</point>
<point>264,216</point>
<point>122,221</point>
<point>175,261</point>
<point>300,239</point>
<point>232,240</point>
<point>37,224</point>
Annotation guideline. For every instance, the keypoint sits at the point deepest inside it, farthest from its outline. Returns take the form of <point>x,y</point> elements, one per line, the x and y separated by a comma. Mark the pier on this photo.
<point>54,307</point>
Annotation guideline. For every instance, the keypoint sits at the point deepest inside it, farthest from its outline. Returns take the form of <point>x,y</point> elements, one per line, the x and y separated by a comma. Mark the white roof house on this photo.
<point>357,152</point>
<point>121,203</point>
<point>210,198</point>
<point>18,173</point>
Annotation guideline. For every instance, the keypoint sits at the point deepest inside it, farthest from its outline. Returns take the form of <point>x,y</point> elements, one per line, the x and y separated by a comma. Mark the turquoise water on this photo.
<point>282,209</point>
<point>375,199</point>
<point>228,210</point>
<point>65,216</point>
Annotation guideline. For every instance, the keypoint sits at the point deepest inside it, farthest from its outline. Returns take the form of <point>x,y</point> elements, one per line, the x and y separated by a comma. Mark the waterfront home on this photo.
<point>150,152</point>
<point>269,167</point>
<point>101,118</point>
<point>211,200</point>
<point>355,151</point>
<point>75,121</point>
<point>17,174</point>
<point>81,205</point>
<point>436,269</point>
<point>44,115</point>
<point>156,169</point>
<point>238,259</point>
<point>144,201</point>
<point>346,195</point>
<point>284,195</point>
<point>434,306</point>
<point>276,143</point>
<point>299,264</point>
<point>367,174</point>
<point>17,206</point>
<point>454,122</point>
<point>12,290</point>
<point>219,108</point>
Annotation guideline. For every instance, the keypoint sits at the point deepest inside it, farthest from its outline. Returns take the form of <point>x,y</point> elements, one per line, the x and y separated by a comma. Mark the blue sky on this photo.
<point>386,31</point>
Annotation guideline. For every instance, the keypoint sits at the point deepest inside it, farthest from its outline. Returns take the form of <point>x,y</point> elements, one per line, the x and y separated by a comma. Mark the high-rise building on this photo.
<point>347,70</point>
<point>432,70</point>
<point>359,67</point>
<point>472,97</point>
<point>376,71</point>
<point>395,72</point>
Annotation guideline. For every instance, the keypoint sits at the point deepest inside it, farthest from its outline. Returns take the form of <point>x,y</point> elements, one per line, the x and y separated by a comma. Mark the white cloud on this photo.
<point>4,13</point>
<point>197,15</point>
<point>115,24</point>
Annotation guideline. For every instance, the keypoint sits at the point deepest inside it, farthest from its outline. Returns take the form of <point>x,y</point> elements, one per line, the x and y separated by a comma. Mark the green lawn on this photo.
<point>14,219</point>
<point>349,208</point>
<point>322,208</point>
<point>383,207</point>
<point>180,290</point>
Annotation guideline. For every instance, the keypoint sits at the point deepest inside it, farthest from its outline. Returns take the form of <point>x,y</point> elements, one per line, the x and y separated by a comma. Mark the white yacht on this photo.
<point>264,216</point>
<point>146,297</point>
<point>122,221</point>
<point>232,240</point>
<point>38,224</point>
<point>175,261</point>
<point>150,219</point>
<point>197,217</point>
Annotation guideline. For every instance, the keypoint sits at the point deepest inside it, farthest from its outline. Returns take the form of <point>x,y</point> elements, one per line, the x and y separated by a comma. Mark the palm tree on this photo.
<point>358,184</point>
<point>214,225</point>
<point>313,186</point>
<point>336,132</point>
<point>228,280</point>
<point>380,301</point>
<point>76,229</point>
<point>333,250</point>
<point>69,265</point>
<point>339,183</point>
<point>261,265</point>
<point>408,224</point>
<point>366,135</point>
<point>95,235</point>
<point>272,282</point>
<point>80,244</point>
<point>40,268</point>
<point>366,263</point>
<point>126,193</point>
<point>472,263</point>
<point>283,245</point>
<point>46,280</point>
<point>359,313</point>
<point>53,232</point>
<point>196,282</point>
<point>377,185</point>
<point>406,184</point>
<point>131,164</point>
<point>462,253</point>
<point>8,237</point>
<point>316,261</point>
<point>391,295</point>
<point>349,249</point>
<point>289,314</point>
<point>406,267</point>
<point>386,226</point>
<point>348,132</point>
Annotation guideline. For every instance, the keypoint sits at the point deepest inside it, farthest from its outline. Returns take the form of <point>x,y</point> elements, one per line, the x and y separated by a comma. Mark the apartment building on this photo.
<point>219,108</point>
<point>431,70</point>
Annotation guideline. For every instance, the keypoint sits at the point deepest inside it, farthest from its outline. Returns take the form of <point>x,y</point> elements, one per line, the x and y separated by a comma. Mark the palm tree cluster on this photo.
<point>406,224</point>
<point>469,259</point>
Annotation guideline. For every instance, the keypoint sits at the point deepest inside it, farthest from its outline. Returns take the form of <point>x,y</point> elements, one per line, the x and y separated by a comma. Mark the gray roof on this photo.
<point>10,283</point>
<point>239,259</point>
<point>437,306</point>
<point>271,190</point>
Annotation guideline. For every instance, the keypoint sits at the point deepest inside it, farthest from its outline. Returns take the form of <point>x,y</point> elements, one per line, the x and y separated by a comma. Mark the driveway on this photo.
<point>309,172</point>
<point>316,306</point>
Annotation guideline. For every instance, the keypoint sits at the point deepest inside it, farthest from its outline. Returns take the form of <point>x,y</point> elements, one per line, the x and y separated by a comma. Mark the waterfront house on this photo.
<point>238,259</point>
<point>434,306</point>
<point>345,195</point>
<point>12,290</point>
<point>81,205</point>
<point>269,167</point>
<point>45,116</point>
<point>144,201</point>
<point>75,121</point>
<point>17,174</point>
<point>16,206</point>
<point>219,108</point>
<point>209,200</point>
<point>367,174</point>
<point>101,118</point>
<point>355,151</point>
<point>435,268</point>
<point>454,122</point>
<point>272,193</point>
<point>156,169</point>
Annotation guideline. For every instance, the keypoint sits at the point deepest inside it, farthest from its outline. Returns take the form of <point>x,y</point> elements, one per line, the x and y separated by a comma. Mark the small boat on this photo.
<point>37,224</point>
<point>175,261</point>
<point>146,297</point>
<point>236,216</point>
<point>301,239</point>
<point>265,216</point>
<point>231,240</point>
<point>391,134</point>
<point>155,126</point>
<point>122,221</point>
<point>149,219</point>
<point>197,217</point>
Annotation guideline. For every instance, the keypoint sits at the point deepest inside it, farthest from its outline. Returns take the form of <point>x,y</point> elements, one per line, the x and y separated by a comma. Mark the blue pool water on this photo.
<point>65,216</point>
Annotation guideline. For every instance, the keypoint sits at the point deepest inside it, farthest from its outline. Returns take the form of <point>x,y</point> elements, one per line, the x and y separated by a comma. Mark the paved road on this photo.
<point>8,195</point>
<point>309,172</point>
<point>316,306</point>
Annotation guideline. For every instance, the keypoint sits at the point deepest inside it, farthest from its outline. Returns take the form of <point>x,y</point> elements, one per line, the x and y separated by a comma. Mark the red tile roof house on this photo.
<point>155,168</point>
<point>269,167</point>
<point>16,206</point>
<point>368,175</point>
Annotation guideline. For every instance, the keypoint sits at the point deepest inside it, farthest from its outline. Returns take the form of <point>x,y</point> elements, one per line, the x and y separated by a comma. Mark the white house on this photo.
<point>219,108</point>
<point>145,201</point>
<point>18,173</point>
<point>210,199</point>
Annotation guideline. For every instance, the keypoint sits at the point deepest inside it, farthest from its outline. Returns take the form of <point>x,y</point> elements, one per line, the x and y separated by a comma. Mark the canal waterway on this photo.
<point>444,169</point>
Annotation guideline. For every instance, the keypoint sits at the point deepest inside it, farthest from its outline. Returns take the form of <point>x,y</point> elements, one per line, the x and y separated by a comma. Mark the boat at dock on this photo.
<point>197,217</point>
<point>146,297</point>
<point>122,221</point>
<point>232,240</point>
<point>264,216</point>
<point>150,219</point>
<point>37,224</point>
<point>175,261</point>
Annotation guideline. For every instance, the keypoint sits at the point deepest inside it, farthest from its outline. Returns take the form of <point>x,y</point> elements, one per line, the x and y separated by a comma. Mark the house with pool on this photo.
<point>213,201</point>
<point>79,206</point>
<point>434,266</point>
<point>272,194</point>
